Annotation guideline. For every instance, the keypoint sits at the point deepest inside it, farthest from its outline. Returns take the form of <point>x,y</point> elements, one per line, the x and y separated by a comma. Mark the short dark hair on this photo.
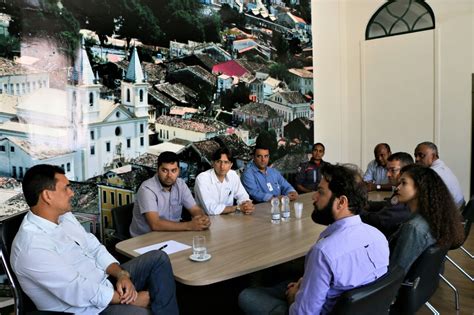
<point>403,157</point>
<point>345,181</point>
<point>167,157</point>
<point>261,147</point>
<point>38,178</point>
<point>218,153</point>
<point>384,145</point>
<point>430,145</point>
<point>319,143</point>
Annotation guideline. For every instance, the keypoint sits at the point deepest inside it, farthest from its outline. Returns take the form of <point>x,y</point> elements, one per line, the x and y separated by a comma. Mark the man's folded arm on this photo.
<point>207,198</point>
<point>62,280</point>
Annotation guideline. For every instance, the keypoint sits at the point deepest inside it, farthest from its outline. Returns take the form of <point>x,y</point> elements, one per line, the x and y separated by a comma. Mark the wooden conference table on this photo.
<point>239,244</point>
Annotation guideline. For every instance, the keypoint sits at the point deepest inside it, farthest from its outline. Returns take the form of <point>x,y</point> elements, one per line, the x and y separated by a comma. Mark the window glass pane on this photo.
<point>400,17</point>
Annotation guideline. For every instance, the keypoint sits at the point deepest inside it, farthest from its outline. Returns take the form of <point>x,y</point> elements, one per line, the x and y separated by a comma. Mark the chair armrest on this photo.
<point>413,284</point>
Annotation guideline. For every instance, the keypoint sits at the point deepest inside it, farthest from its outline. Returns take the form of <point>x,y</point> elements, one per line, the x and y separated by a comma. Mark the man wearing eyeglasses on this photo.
<point>263,182</point>
<point>388,215</point>
<point>217,188</point>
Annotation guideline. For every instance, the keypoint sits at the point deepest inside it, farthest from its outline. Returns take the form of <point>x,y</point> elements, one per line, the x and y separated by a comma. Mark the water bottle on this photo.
<point>285,209</point>
<point>275,210</point>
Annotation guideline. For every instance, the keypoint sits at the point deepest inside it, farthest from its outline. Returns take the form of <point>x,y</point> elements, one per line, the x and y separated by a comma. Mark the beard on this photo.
<point>324,216</point>
<point>166,185</point>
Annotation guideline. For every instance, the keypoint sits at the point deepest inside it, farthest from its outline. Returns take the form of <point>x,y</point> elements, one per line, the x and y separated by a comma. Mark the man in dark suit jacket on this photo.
<point>387,215</point>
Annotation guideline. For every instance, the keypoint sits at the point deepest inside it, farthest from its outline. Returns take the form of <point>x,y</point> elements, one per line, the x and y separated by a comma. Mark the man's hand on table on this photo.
<point>199,223</point>
<point>247,207</point>
<point>292,195</point>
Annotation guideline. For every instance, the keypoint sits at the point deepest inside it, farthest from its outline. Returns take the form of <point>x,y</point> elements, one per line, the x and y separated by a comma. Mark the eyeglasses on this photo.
<point>393,169</point>
<point>420,155</point>
<point>223,162</point>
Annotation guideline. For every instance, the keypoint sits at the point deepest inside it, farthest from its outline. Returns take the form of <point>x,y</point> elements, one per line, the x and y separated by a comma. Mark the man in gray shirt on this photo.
<point>160,200</point>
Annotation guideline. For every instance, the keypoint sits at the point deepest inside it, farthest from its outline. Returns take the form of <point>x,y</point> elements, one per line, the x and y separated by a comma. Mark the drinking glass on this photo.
<point>199,246</point>
<point>298,209</point>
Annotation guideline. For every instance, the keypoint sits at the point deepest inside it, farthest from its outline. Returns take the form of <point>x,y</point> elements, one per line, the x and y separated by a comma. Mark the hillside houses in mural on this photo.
<point>106,114</point>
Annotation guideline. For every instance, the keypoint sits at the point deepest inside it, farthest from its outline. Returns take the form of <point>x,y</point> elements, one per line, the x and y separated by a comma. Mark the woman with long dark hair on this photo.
<point>435,218</point>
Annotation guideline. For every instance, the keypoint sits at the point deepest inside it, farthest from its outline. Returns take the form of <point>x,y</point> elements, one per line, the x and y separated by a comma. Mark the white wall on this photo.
<point>338,32</point>
<point>397,85</point>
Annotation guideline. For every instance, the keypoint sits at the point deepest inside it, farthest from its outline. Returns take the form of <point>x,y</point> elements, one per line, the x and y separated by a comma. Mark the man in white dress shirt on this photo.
<point>216,189</point>
<point>63,268</point>
<point>426,154</point>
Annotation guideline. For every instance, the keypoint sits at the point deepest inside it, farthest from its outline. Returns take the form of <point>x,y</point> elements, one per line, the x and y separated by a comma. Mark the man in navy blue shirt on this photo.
<point>263,182</point>
<point>309,173</point>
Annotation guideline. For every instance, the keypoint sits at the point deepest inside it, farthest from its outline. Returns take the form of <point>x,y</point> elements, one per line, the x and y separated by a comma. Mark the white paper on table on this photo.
<point>172,247</point>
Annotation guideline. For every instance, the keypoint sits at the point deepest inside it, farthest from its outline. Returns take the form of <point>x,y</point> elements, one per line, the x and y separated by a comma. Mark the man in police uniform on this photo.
<point>309,174</point>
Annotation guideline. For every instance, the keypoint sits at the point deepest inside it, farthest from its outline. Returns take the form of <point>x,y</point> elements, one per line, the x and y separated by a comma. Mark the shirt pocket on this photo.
<point>176,207</point>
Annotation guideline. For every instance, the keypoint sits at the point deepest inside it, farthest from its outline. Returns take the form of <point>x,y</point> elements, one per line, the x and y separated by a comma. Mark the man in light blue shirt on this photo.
<point>376,174</point>
<point>63,268</point>
<point>348,253</point>
<point>160,200</point>
<point>263,182</point>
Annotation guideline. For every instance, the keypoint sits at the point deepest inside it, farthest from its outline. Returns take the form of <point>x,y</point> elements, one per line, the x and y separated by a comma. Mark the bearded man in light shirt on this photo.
<point>217,188</point>
<point>332,265</point>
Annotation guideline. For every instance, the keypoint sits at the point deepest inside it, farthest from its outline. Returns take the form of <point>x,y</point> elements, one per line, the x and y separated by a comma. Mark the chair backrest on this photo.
<point>468,216</point>
<point>122,218</point>
<point>373,298</point>
<point>424,277</point>
<point>8,229</point>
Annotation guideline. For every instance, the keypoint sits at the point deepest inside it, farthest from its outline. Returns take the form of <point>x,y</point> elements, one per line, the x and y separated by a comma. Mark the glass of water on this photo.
<point>298,209</point>
<point>199,246</point>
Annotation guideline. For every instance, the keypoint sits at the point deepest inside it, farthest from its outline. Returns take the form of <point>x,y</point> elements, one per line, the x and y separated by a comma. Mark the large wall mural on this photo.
<point>100,88</point>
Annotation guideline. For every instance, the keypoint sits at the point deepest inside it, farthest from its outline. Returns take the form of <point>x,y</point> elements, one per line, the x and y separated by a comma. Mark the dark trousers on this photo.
<point>153,272</point>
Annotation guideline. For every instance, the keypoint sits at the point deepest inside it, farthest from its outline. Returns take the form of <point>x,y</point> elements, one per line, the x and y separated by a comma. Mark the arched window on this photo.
<point>128,95</point>
<point>118,131</point>
<point>91,99</point>
<point>397,17</point>
<point>141,96</point>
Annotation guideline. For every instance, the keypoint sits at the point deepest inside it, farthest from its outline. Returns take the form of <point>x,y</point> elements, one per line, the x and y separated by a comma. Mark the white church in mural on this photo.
<point>75,128</point>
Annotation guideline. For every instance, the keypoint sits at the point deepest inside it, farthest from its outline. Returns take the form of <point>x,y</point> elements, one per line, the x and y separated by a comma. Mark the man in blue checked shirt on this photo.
<point>263,182</point>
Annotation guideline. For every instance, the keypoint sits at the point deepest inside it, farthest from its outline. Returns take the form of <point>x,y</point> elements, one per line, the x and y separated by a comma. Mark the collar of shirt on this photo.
<point>255,169</point>
<point>42,223</point>
<point>315,163</point>
<point>158,183</point>
<point>437,162</point>
<point>342,223</point>
<point>215,180</point>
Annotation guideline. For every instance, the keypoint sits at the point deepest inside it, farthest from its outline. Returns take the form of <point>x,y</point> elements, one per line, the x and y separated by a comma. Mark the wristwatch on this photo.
<point>378,187</point>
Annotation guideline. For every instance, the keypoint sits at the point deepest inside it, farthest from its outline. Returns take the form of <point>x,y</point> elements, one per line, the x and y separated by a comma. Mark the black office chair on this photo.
<point>468,217</point>
<point>122,218</point>
<point>371,299</point>
<point>8,229</point>
<point>420,283</point>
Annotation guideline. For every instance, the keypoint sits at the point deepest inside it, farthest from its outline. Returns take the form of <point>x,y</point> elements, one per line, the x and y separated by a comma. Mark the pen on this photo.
<point>163,247</point>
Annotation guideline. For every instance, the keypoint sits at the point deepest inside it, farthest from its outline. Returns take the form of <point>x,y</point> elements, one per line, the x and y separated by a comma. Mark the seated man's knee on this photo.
<point>157,257</point>
<point>246,298</point>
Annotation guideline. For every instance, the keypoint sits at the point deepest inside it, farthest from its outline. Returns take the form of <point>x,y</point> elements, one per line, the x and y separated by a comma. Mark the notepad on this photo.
<point>172,247</point>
